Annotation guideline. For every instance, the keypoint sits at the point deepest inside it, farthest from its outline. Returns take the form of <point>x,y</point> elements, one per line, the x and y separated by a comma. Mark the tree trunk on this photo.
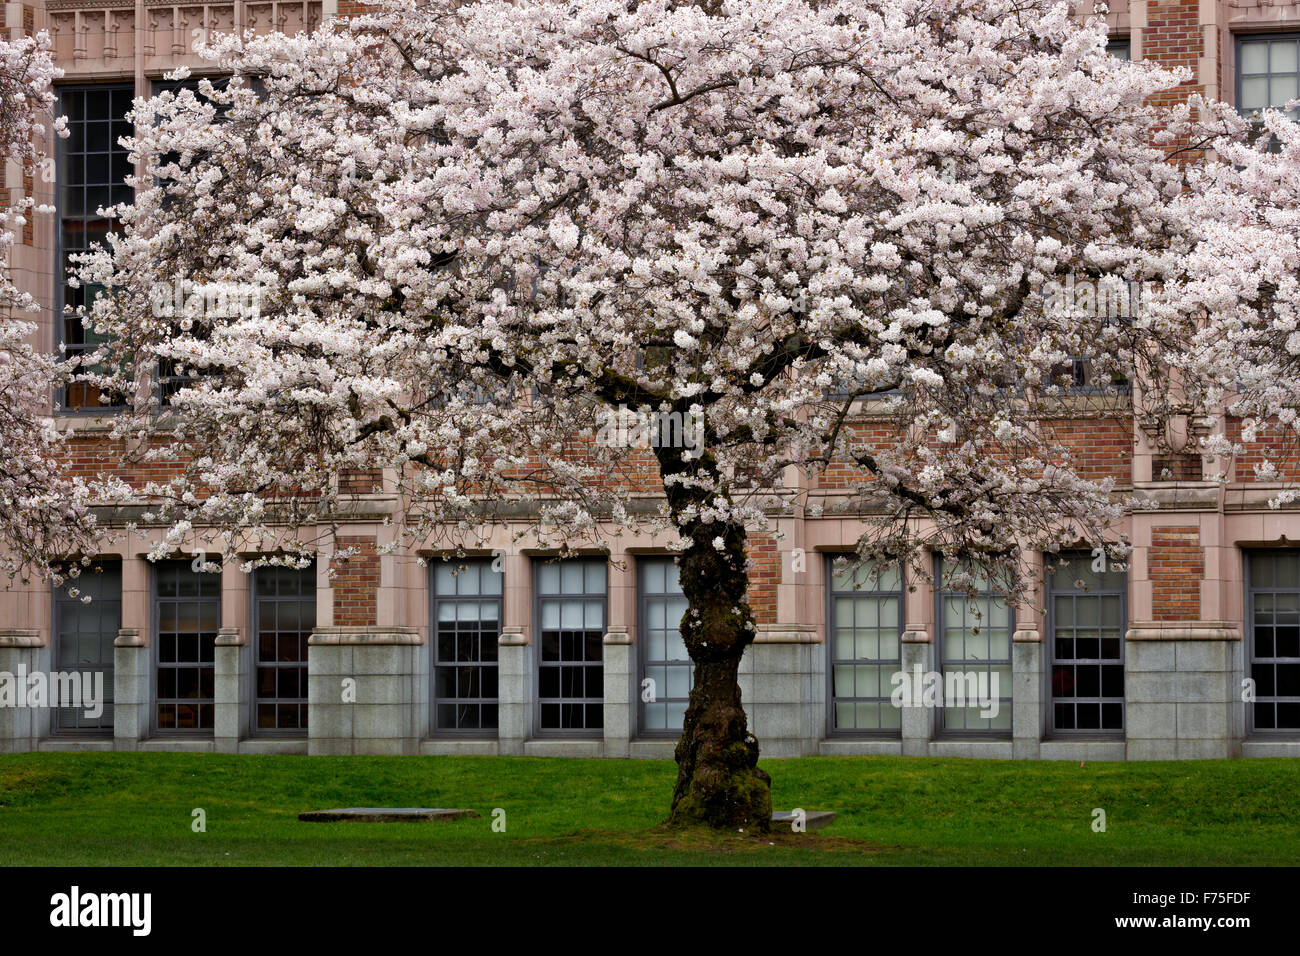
<point>718,780</point>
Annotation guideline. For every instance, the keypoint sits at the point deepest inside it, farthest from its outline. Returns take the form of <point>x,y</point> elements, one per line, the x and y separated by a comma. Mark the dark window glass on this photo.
<point>284,615</point>
<point>1267,74</point>
<point>83,641</point>
<point>1273,618</point>
<point>91,169</point>
<point>1087,645</point>
<point>187,612</point>
<point>570,659</point>
<point>466,627</point>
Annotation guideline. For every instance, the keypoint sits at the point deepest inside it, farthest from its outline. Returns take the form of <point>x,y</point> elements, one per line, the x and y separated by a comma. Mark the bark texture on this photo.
<point>718,780</point>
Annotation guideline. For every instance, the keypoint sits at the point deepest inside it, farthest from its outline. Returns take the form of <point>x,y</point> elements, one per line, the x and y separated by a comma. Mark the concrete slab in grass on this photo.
<point>813,819</point>
<point>383,815</point>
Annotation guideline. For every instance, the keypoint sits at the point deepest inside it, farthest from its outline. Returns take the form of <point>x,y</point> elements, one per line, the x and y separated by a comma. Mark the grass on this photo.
<point>136,809</point>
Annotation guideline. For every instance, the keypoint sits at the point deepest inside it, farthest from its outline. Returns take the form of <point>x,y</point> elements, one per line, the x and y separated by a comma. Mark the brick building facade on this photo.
<point>393,654</point>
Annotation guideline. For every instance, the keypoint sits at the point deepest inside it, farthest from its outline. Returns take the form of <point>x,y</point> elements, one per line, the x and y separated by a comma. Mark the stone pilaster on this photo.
<point>365,688</point>
<point>1180,690</point>
<point>514,689</point>
<point>620,684</point>
<point>132,686</point>
<point>230,704</point>
<point>916,719</point>
<point>21,651</point>
<point>1027,716</point>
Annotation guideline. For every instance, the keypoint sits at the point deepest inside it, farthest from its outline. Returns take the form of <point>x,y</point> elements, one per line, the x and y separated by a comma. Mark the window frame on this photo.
<point>643,598</point>
<point>1005,695</point>
<point>1270,733</point>
<point>1238,39</point>
<point>155,608</point>
<point>832,731</point>
<point>59,603</point>
<point>435,600</point>
<point>539,597</point>
<point>1050,730</point>
<point>254,630</point>
<point>60,276</point>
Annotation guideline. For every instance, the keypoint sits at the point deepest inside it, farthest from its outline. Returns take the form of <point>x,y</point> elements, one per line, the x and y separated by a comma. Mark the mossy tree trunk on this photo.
<point>718,780</point>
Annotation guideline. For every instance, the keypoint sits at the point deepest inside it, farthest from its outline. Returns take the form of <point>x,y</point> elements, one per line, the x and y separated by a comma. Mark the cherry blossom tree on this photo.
<point>466,235</point>
<point>1244,277</point>
<point>44,514</point>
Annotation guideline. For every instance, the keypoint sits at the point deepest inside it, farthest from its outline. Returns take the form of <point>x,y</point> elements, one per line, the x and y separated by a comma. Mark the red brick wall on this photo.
<point>842,473</point>
<point>356,584</point>
<point>89,456</point>
<point>764,576</point>
<point>360,482</point>
<point>1272,443</point>
<point>1174,38</point>
<point>1099,448</point>
<point>1176,566</point>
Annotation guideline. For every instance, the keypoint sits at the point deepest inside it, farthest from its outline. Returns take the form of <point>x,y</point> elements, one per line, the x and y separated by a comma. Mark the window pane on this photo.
<point>187,608</point>
<point>468,625</point>
<point>1087,671</point>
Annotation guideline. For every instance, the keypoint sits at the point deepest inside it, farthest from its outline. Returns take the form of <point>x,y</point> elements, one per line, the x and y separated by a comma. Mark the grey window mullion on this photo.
<point>284,590</point>
<point>578,659</point>
<point>71,641</point>
<point>180,653</point>
<point>462,710</point>
<point>986,600</point>
<point>1273,645</point>
<point>1072,711</point>
<point>856,713</point>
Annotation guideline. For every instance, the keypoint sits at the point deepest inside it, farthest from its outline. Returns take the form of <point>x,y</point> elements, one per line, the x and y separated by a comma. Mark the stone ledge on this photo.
<point>1183,631</point>
<point>365,636</point>
<point>230,637</point>
<point>615,635</point>
<point>129,637</point>
<point>383,815</point>
<point>513,635</point>
<point>20,637</point>
<point>786,634</point>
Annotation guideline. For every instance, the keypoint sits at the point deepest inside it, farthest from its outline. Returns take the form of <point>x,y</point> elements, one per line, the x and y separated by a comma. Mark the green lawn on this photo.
<point>136,809</point>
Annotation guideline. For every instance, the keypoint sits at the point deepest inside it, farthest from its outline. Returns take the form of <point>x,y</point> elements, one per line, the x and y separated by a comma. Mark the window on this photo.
<point>466,626</point>
<point>974,651</point>
<point>1267,72</point>
<point>1273,619</point>
<point>92,167</point>
<point>187,609</point>
<point>664,659</point>
<point>866,629</point>
<point>284,616</point>
<point>1267,75</point>
<point>83,641</point>
<point>1086,621</point>
<point>571,632</point>
<point>1120,47</point>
